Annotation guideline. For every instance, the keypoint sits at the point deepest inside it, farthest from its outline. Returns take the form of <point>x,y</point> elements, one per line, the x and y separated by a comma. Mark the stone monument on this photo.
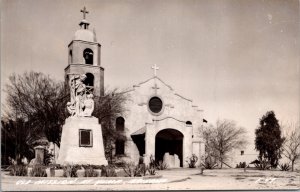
<point>81,140</point>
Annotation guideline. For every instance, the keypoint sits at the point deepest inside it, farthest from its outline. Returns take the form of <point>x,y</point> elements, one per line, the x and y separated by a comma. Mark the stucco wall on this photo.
<point>176,111</point>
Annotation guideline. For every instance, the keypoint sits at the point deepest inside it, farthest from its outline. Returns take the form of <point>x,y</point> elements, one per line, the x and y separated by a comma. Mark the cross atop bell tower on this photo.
<point>84,58</point>
<point>84,12</point>
<point>84,22</point>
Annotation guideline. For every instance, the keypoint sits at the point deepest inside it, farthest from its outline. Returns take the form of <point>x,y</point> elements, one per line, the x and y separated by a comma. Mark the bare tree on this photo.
<point>224,138</point>
<point>39,101</point>
<point>211,154</point>
<point>291,145</point>
<point>107,108</point>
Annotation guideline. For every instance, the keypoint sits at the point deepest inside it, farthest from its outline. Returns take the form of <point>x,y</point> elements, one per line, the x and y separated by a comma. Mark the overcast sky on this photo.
<point>236,59</point>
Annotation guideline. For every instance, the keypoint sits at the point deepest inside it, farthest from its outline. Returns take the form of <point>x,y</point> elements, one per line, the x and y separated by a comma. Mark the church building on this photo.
<point>159,123</point>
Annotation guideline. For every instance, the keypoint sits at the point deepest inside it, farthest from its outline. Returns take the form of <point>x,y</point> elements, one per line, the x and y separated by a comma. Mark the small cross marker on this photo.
<point>155,68</point>
<point>84,11</point>
<point>155,88</point>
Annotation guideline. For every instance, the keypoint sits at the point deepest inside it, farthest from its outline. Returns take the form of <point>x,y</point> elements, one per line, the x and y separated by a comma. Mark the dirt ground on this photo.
<point>172,179</point>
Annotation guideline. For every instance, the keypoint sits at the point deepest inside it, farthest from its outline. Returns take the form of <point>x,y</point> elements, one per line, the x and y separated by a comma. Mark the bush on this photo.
<point>119,164</point>
<point>70,170</point>
<point>108,171</point>
<point>152,161</point>
<point>92,166</point>
<point>151,170</point>
<point>284,167</point>
<point>38,171</point>
<point>55,166</point>
<point>132,170</point>
<point>263,164</point>
<point>210,162</point>
<point>192,161</point>
<point>89,171</point>
<point>161,165</point>
<point>141,160</point>
<point>209,165</point>
<point>152,166</point>
<point>143,169</point>
<point>142,166</point>
<point>241,165</point>
<point>17,170</point>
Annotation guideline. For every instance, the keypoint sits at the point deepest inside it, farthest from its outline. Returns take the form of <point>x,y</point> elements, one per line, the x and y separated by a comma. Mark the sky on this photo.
<point>236,59</point>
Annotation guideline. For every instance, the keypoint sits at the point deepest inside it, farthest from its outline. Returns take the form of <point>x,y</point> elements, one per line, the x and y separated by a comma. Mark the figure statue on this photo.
<point>81,104</point>
<point>88,106</point>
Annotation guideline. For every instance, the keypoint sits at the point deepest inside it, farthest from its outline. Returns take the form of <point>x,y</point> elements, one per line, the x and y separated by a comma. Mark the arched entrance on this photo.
<point>168,140</point>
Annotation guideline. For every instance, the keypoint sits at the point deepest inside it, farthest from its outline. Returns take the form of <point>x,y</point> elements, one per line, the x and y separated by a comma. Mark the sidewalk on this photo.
<point>182,178</point>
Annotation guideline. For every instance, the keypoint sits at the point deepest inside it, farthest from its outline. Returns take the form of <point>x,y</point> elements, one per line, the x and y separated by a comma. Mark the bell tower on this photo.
<point>84,58</point>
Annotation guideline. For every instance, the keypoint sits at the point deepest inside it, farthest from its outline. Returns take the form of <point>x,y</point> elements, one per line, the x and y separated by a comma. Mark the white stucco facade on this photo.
<point>179,119</point>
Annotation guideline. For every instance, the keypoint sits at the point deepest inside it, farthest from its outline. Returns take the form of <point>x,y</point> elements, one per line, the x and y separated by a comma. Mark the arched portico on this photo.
<point>160,130</point>
<point>169,141</point>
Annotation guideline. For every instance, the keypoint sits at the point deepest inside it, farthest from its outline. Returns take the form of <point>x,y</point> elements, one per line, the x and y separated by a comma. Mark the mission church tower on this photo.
<point>158,123</point>
<point>84,58</point>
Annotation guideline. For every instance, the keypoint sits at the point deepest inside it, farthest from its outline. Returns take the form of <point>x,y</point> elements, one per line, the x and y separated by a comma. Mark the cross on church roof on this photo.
<point>155,68</point>
<point>84,12</point>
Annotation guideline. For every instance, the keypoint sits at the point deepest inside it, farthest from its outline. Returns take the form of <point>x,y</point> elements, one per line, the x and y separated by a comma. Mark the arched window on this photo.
<point>89,81</point>
<point>88,56</point>
<point>120,124</point>
<point>120,147</point>
<point>188,123</point>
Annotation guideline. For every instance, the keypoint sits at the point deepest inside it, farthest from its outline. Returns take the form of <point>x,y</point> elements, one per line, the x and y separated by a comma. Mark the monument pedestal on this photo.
<point>81,142</point>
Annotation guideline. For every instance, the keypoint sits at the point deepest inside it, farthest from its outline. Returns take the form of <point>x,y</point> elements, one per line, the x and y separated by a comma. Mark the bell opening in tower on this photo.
<point>88,56</point>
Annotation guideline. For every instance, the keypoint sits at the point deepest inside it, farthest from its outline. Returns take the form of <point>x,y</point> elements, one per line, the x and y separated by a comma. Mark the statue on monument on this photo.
<point>88,105</point>
<point>81,104</point>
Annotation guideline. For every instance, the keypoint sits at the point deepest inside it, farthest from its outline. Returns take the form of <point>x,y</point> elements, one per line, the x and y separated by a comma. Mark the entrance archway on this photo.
<point>168,140</point>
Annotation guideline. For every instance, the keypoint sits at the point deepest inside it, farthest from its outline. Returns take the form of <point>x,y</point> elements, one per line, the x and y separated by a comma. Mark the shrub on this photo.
<point>70,170</point>
<point>209,165</point>
<point>161,165</point>
<point>143,169</point>
<point>142,166</point>
<point>55,166</point>
<point>132,170</point>
<point>91,166</point>
<point>141,160</point>
<point>89,171</point>
<point>38,171</point>
<point>95,166</point>
<point>192,161</point>
<point>152,166</point>
<point>263,164</point>
<point>151,170</point>
<point>152,161</point>
<point>210,162</point>
<point>284,167</point>
<point>17,170</point>
<point>108,171</point>
<point>241,165</point>
<point>119,164</point>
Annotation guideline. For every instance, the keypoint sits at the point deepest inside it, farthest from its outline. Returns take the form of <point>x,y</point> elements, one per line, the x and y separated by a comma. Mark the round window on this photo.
<point>155,104</point>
